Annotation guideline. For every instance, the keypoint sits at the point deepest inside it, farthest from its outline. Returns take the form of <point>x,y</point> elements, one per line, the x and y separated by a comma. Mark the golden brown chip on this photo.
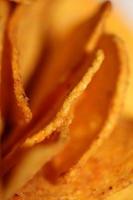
<point>74,95</point>
<point>65,51</point>
<point>110,167</point>
<point>12,88</point>
<point>14,101</point>
<point>63,114</point>
<point>97,110</point>
<point>105,170</point>
<point>72,141</point>
<point>88,31</point>
<point>62,119</point>
<point>108,170</point>
<point>30,161</point>
<point>28,32</point>
<point>102,169</point>
<point>49,107</point>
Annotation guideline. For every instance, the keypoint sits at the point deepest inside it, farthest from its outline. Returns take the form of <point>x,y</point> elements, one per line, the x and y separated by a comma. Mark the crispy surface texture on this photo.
<point>65,133</point>
<point>96,176</point>
<point>11,85</point>
<point>98,108</point>
<point>66,51</point>
<point>59,123</point>
<point>80,35</point>
<point>29,41</point>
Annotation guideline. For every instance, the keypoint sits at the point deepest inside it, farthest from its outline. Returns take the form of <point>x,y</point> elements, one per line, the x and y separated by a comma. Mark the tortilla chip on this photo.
<point>48,124</point>
<point>56,71</point>
<point>31,160</point>
<point>28,32</point>
<point>108,170</point>
<point>97,110</point>
<point>79,11</point>
<point>110,167</point>
<point>19,112</point>
<point>76,92</point>
<point>62,119</point>
<point>11,86</point>
<point>64,52</point>
<point>95,161</point>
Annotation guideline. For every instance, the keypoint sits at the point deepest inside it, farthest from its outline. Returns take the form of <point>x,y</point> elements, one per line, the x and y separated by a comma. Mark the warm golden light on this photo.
<point>66,93</point>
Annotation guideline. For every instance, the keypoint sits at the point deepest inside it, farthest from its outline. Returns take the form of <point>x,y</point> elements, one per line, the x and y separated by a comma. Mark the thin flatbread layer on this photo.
<point>107,165</point>
<point>31,160</point>
<point>49,125</point>
<point>107,171</point>
<point>19,113</point>
<point>19,177</point>
<point>12,87</point>
<point>65,51</point>
<point>85,34</point>
<point>97,110</point>
<point>28,29</point>
<point>82,35</point>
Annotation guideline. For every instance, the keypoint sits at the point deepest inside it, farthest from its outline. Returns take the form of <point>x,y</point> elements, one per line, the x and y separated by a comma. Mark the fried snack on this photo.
<point>86,32</point>
<point>106,171</point>
<point>97,111</point>
<point>32,42</point>
<point>29,41</point>
<point>62,50</point>
<point>30,161</point>
<point>57,119</point>
<point>36,154</point>
<point>76,145</point>
<point>19,112</point>
<point>45,35</point>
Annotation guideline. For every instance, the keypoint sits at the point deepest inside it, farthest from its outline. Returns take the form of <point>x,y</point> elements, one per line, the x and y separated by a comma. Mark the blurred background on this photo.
<point>125,7</point>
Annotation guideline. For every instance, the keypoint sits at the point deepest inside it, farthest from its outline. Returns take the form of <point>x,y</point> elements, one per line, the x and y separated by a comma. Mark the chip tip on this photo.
<point>107,5</point>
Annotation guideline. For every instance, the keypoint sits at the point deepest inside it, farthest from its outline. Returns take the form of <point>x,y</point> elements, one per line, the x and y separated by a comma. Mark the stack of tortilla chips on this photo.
<point>64,73</point>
